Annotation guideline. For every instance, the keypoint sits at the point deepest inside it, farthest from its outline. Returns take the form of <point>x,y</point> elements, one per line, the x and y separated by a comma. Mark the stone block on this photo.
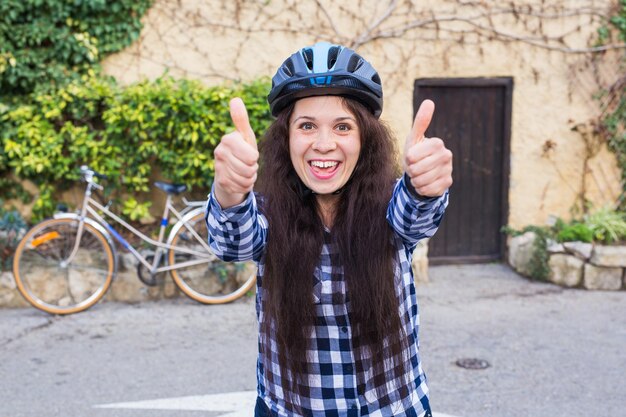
<point>7,281</point>
<point>127,261</point>
<point>566,270</point>
<point>419,262</point>
<point>520,252</point>
<point>580,249</point>
<point>165,288</point>
<point>9,296</point>
<point>127,287</point>
<point>555,247</point>
<point>602,278</point>
<point>609,256</point>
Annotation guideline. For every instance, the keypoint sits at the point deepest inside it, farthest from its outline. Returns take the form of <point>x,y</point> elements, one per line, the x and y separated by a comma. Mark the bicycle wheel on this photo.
<point>213,281</point>
<point>48,282</point>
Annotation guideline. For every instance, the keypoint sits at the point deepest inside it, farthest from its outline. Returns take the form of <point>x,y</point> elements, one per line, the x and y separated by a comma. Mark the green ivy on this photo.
<point>538,267</point>
<point>619,20</point>
<point>46,43</point>
<point>613,122</point>
<point>124,133</point>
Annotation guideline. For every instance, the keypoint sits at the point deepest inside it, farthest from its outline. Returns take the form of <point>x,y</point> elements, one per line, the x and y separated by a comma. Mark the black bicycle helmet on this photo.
<point>326,69</point>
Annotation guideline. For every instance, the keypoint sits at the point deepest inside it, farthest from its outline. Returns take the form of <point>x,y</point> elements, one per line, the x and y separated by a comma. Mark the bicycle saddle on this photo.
<point>171,188</point>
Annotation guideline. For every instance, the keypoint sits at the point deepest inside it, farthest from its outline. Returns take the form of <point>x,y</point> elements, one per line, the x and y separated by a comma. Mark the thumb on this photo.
<point>422,121</point>
<point>239,116</point>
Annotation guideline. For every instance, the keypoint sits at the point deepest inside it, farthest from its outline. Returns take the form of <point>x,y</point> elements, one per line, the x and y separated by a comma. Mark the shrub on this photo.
<point>11,226</point>
<point>123,132</point>
<point>607,226</point>
<point>575,232</point>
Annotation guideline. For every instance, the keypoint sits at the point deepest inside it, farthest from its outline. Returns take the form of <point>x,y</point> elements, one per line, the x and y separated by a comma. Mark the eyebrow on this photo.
<point>338,119</point>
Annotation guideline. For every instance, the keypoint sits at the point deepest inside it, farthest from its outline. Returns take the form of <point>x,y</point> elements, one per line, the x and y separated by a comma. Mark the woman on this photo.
<point>332,231</point>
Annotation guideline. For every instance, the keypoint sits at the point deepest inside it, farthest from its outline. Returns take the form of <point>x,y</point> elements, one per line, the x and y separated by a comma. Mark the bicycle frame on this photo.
<point>90,208</point>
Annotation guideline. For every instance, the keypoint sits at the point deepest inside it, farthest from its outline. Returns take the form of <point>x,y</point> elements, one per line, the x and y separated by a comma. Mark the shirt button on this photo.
<point>344,329</point>
<point>348,368</point>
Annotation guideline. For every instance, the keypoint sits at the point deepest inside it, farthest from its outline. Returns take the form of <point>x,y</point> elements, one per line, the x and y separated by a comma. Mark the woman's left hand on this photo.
<point>427,161</point>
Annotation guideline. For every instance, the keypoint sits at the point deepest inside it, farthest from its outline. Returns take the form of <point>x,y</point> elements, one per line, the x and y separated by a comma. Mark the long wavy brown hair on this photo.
<point>363,240</point>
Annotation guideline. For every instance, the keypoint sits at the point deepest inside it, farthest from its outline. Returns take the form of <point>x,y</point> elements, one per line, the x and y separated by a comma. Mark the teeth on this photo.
<point>323,164</point>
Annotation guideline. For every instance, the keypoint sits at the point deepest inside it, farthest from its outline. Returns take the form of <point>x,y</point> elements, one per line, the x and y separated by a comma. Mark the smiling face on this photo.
<point>324,143</point>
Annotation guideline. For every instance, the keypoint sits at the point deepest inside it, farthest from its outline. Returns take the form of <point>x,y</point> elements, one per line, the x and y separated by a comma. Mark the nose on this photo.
<point>324,143</point>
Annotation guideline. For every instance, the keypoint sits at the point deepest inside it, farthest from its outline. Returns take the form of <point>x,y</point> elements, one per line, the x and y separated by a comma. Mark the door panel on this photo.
<point>472,116</point>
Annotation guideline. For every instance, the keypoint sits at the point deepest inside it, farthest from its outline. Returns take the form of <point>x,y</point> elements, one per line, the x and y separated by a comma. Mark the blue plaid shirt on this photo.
<point>338,386</point>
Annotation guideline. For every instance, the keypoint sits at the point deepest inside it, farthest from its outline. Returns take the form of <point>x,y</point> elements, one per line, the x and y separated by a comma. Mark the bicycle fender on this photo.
<point>180,223</point>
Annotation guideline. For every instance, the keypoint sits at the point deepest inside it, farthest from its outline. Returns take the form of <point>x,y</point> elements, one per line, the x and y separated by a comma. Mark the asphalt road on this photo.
<point>552,352</point>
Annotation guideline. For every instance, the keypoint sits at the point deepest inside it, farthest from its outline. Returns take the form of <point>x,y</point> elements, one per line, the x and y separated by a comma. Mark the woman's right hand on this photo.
<point>236,159</point>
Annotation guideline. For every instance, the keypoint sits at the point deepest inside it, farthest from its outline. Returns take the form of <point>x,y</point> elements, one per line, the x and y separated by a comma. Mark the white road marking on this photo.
<point>232,404</point>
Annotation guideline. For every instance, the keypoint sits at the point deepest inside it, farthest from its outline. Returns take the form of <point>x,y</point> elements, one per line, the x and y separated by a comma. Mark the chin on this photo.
<point>325,190</point>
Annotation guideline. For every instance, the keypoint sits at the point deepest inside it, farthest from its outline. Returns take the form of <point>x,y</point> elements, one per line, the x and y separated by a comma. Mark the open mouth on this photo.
<point>324,169</point>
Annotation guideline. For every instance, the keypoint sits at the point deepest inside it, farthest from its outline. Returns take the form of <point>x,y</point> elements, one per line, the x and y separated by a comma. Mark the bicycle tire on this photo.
<point>50,286</point>
<point>212,282</point>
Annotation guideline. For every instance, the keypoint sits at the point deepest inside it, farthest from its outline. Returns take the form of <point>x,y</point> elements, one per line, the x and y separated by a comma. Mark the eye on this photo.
<point>343,127</point>
<point>307,126</point>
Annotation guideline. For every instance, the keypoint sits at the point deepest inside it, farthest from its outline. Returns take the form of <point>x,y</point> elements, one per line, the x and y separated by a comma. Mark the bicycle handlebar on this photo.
<point>86,171</point>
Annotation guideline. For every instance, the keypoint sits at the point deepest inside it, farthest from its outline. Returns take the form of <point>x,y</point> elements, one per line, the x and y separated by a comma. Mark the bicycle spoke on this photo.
<point>212,281</point>
<point>53,282</point>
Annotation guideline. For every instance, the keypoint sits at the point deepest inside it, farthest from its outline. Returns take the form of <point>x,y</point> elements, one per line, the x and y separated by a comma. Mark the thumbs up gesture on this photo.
<point>427,161</point>
<point>236,159</point>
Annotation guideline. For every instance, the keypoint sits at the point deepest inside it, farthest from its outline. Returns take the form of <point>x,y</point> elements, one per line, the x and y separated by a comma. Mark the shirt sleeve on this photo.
<point>237,233</point>
<point>414,217</point>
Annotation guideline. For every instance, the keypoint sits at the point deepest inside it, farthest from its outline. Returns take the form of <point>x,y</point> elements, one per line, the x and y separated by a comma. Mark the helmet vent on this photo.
<point>308,58</point>
<point>332,56</point>
<point>289,70</point>
<point>355,63</point>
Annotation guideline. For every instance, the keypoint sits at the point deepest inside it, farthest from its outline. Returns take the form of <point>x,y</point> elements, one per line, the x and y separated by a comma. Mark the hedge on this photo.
<point>123,132</point>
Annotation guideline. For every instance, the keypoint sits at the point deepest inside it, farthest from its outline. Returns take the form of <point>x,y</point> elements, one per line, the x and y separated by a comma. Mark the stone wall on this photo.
<point>127,287</point>
<point>574,264</point>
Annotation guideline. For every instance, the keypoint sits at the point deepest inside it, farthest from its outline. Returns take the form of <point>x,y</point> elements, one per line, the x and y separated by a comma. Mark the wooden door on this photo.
<point>473,117</point>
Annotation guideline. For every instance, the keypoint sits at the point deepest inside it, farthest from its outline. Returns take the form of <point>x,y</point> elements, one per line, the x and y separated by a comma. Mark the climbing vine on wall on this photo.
<point>548,25</point>
<point>613,118</point>
<point>47,43</point>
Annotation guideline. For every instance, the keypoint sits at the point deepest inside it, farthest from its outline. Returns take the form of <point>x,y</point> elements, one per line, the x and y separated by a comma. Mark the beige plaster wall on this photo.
<point>240,40</point>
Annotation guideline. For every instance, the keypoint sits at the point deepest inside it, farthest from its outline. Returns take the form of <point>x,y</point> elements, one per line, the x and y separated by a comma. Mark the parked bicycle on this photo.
<point>66,264</point>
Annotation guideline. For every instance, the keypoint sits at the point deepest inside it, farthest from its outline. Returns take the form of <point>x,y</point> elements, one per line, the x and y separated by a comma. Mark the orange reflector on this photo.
<point>44,238</point>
